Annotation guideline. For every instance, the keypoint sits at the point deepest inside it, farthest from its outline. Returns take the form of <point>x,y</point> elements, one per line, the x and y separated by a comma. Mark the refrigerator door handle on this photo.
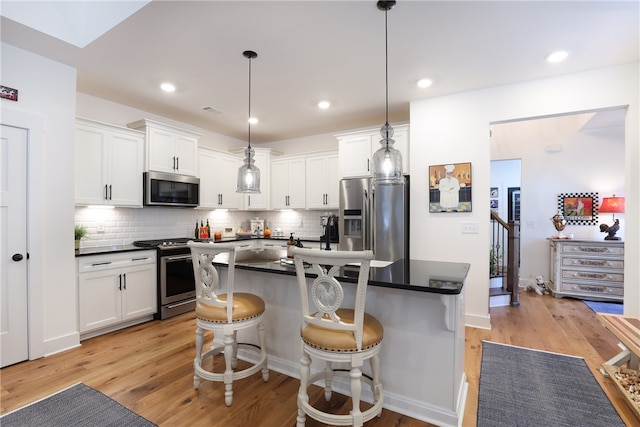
<point>372,221</point>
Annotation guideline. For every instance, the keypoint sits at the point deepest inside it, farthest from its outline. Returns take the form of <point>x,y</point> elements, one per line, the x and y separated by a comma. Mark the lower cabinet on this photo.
<point>116,290</point>
<point>587,269</point>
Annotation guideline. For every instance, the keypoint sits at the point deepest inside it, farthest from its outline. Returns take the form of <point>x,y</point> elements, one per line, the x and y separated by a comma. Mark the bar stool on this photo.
<point>223,311</point>
<point>335,332</point>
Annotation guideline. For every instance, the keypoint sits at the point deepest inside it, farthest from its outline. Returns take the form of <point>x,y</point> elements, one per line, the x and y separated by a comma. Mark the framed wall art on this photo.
<point>579,208</point>
<point>450,187</point>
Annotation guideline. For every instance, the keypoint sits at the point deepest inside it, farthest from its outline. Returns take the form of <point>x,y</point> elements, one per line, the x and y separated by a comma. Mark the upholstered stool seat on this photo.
<point>337,333</point>
<point>224,314</point>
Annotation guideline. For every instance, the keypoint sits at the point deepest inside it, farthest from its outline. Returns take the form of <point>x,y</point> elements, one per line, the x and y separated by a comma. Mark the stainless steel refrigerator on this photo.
<point>374,217</point>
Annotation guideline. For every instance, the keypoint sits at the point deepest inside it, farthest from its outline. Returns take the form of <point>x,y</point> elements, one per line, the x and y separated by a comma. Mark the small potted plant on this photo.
<point>79,233</point>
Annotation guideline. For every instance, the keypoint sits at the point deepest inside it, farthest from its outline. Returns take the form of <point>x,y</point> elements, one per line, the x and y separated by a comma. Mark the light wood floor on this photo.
<point>148,369</point>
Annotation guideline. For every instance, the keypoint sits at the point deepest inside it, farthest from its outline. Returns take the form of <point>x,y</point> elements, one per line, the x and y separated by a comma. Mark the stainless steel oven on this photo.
<point>176,284</point>
<point>176,288</point>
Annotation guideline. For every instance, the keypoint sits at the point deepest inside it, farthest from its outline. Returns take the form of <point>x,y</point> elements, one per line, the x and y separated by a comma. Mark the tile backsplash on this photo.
<point>110,227</point>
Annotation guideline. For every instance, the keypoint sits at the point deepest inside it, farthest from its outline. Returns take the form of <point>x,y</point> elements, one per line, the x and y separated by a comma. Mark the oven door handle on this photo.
<point>177,258</point>
<point>178,304</point>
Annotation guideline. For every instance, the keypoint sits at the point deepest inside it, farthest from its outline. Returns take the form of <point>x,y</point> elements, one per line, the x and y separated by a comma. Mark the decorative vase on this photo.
<point>77,244</point>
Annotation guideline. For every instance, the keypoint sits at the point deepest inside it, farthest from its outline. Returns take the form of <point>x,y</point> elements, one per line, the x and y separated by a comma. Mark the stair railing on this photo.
<point>505,240</point>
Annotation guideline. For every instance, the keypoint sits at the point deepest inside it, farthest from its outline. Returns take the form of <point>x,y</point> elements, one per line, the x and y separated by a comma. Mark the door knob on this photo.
<point>17,257</point>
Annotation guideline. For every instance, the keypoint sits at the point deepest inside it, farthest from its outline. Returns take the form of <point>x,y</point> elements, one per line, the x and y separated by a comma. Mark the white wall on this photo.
<point>587,161</point>
<point>91,107</point>
<point>455,129</point>
<point>47,92</point>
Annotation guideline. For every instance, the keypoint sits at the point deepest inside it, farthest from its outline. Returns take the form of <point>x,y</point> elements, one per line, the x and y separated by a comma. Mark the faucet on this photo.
<point>331,221</point>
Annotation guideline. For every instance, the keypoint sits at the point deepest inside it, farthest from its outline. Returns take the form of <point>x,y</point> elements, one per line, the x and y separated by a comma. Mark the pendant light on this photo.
<point>387,161</point>
<point>249,174</point>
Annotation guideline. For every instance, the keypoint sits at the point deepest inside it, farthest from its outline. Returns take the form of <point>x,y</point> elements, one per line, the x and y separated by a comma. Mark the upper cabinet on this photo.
<point>288,183</point>
<point>356,150</point>
<point>257,201</point>
<point>217,172</point>
<point>168,148</point>
<point>108,164</point>
<point>322,181</point>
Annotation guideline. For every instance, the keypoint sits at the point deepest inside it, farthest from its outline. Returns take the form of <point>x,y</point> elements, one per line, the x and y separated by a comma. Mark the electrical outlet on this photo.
<point>470,227</point>
<point>301,224</point>
<point>101,227</point>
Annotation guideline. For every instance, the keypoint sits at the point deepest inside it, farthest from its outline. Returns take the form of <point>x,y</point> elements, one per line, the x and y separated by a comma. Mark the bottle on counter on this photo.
<point>203,230</point>
<point>208,229</point>
<point>290,244</point>
<point>197,233</point>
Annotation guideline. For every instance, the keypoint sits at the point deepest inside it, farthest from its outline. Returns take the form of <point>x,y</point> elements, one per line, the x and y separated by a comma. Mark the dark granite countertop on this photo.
<point>414,275</point>
<point>102,250</point>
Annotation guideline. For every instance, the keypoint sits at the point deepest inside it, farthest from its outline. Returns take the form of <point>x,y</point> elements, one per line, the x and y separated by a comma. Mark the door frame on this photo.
<point>34,124</point>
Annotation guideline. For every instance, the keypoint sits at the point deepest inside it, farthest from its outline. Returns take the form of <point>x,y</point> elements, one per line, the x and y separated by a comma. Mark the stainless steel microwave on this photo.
<point>168,189</point>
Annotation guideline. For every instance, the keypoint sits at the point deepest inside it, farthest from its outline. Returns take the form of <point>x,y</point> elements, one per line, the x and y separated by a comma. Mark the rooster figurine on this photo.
<point>559,223</point>
<point>612,230</point>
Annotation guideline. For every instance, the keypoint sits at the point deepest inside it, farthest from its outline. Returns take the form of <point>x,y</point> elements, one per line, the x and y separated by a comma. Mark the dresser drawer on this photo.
<point>593,289</point>
<point>593,275</point>
<point>587,249</point>
<point>593,262</point>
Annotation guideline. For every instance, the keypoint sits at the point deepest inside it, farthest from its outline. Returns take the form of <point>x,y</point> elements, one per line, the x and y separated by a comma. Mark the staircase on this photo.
<point>504,262</point>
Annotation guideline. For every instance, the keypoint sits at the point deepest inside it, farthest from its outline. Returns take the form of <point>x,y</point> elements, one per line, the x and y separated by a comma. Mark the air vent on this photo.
<point>211,110</point>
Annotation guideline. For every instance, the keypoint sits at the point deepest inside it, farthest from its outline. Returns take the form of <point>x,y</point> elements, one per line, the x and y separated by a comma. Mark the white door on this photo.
<point>14,345</point>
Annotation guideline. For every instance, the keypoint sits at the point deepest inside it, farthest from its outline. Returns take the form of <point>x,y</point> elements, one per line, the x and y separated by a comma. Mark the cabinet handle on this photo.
<point>249,199</point>
<point>110,192</point>
<point>177,163</point>
<point>174,162</point>
<point>106,194</point>
<point>120,281</point>
<point>100,263</point>
<point>368,169</point>
<point>140,259</point>
<point>124,277</point>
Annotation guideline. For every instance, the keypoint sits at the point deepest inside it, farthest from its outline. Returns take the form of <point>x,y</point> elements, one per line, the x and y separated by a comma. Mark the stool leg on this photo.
<point>228,373</point>
<point>356,391</point>
<point>197,362</point>
<point>234,353</point>
<point>328,380</point>
<point>377,385</point>
<point>263,352</point>
<point>305,362</point>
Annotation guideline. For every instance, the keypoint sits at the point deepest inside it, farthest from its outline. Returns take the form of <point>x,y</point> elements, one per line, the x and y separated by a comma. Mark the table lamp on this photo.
<point>612,205</point>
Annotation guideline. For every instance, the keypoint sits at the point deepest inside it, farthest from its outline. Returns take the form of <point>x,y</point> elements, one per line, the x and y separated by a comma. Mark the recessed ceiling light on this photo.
<point>423,83</point>
<point>168,87</point>
<point>558,56</point>
<point>253,120</point>
<point>324,105</point>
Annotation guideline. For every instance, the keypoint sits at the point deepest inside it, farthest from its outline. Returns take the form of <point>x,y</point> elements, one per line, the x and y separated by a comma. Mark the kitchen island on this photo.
<point>421,306</point>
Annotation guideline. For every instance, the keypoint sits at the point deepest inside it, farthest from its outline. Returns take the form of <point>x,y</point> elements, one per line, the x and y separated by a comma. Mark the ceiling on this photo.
<point>314,50</point>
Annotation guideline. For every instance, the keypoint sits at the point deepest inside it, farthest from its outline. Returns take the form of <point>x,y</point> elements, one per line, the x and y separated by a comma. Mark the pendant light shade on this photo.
<point>387,161</point>
<point>249,174</point>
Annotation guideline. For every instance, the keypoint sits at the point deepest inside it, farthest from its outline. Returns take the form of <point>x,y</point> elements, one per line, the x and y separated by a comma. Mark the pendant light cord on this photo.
<point>249,118</point>
<point>386,71</point>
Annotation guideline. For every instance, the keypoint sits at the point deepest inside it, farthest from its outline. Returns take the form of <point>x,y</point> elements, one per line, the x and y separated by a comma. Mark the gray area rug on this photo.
<point>522,387</point>
<point>76,406</point>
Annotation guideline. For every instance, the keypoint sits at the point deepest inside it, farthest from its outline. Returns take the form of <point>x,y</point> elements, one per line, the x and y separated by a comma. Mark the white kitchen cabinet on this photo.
<point>115,291</point>
<point>288,183</point>
<point>356,150</point>
<point>257,201</point>
<point>217,172</point>
<point>322,181</point>
<point>108,162</point>
<point>168,148</point>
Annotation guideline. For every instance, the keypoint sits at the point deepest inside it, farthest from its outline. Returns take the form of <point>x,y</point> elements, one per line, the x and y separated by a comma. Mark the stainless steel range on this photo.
<point>176,284</point>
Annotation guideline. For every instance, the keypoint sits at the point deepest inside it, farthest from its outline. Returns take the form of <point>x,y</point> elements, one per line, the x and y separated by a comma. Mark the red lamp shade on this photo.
<point>612,205</point>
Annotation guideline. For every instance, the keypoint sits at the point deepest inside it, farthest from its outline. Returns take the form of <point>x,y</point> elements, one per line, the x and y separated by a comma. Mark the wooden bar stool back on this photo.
<point>223,311</point>
<point>338,333</point>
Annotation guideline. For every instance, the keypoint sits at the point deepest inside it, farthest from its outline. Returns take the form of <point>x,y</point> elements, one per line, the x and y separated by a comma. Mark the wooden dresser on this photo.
<point>587,269</point>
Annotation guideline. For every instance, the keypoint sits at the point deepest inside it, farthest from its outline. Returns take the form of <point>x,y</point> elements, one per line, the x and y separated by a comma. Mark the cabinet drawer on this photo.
<point>593,249</point>
<point>593,262</point>
<point>593,275</point>
<point>115,260</point>
<point>593,289</point>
